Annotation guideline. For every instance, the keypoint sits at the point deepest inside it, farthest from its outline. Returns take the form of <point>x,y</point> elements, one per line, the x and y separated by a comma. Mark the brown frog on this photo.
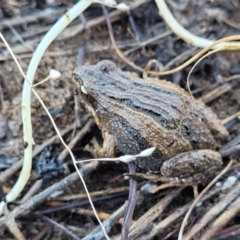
<point>135,114</point>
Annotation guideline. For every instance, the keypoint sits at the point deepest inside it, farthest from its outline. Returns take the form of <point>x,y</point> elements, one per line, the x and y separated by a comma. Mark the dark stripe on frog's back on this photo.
<point>161,104</point>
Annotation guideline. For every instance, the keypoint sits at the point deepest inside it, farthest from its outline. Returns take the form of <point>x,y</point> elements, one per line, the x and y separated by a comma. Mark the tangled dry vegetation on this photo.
<point>53,204</point>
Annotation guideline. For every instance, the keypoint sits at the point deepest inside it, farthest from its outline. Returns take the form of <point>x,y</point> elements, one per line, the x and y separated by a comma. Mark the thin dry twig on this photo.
<point>51,140</point>
<point>169,185</point>
<point>213,212</point>
<point>120,54</point>
<point>10,171</point>
<point>87,127</point>
<point>4,176</point>
<point>20,39</point>
<point>46,228</point>
<point>64,229</point>
<point>33,190</point>
<point>102,215</point>
<point>97,233</point>
<point>150,177</point>
<point>184,223</point>
<point>215,93</point>
<point>228,233</point>
<point>12,225</point>
<point>69,32</point>
<point>143,222</point>
<point>131,203</point>
<point>56,206</point>
<point>148,41</point>
<point>36,200</point>
<point>230,151</point>
<point>170,219</point>
<point>48,13</point>
<point>230,118</point>
<point>93,194</point>
<point>115,15</point>
<point>222,220</point>
<point>180,58</point>
<point>237,76</point>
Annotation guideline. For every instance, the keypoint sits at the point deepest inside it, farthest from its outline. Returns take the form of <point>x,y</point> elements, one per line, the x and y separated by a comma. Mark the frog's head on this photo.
<point>91,78</point>
<point>94,82</point>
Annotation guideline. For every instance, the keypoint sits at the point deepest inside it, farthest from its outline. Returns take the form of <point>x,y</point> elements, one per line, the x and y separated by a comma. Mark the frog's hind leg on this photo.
<point>194,166</point>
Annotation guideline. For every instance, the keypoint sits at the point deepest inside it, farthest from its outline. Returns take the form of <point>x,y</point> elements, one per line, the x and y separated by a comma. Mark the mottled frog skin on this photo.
<point>134,114</point>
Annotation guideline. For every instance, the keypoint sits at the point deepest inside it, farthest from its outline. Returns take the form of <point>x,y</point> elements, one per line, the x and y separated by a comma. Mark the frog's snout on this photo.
<point>79,82</point>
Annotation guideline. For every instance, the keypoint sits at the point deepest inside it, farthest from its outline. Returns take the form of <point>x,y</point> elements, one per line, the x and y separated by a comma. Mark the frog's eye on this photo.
<point>104,69</point>
<point>76,77</point>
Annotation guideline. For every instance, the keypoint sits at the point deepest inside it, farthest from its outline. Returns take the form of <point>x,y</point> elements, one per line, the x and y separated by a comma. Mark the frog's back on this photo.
<point>142,113</point>
<point>151,105</point>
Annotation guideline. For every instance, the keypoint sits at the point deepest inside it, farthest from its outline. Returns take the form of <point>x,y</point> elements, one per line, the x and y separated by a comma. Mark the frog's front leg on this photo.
<point>188,164</point>
<point>109,146</point>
